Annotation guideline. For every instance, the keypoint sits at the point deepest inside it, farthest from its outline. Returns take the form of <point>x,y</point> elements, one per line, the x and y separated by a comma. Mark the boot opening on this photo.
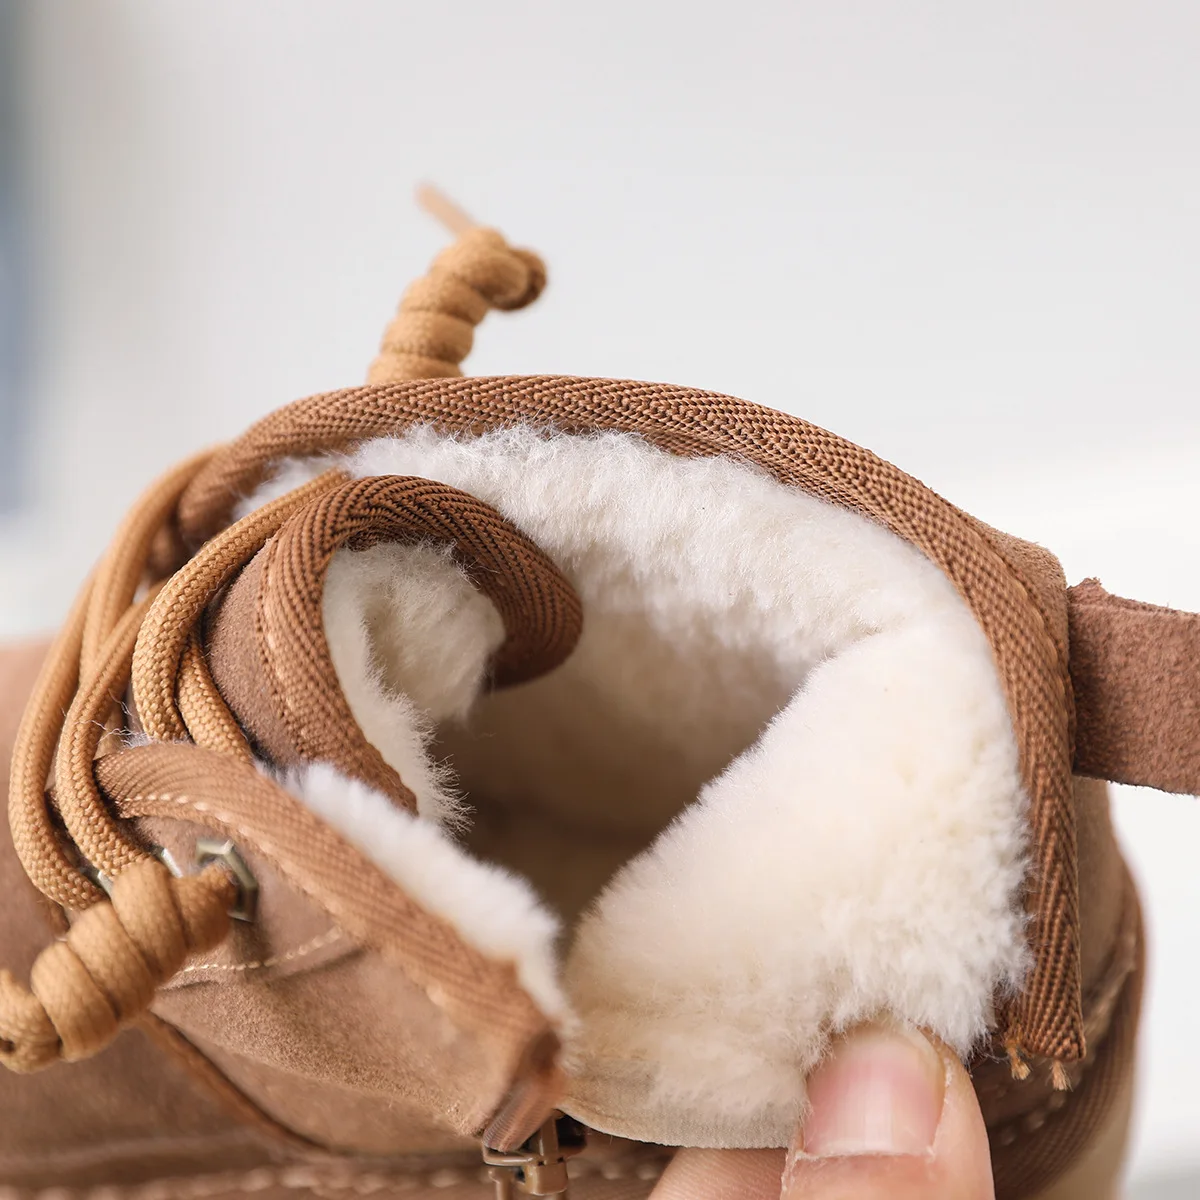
<point>773,791</point>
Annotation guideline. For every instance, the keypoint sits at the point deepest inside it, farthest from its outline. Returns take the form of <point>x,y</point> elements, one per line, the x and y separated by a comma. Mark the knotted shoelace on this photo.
<point>136,623</point>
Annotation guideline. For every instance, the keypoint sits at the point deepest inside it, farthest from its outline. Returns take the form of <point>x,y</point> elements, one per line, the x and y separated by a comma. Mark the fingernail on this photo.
<point>880,1092</point>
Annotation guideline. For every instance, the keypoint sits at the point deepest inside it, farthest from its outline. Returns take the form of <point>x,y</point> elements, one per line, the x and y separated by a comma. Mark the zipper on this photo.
<point>538,1167</point>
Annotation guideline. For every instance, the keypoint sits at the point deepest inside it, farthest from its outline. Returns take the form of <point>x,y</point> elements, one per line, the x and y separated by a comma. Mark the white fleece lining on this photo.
<point>439,630</point>
<point>856,848</point>
<point>492,910</point>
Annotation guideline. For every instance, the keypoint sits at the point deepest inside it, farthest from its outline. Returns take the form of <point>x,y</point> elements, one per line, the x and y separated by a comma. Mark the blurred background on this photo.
<point>967,236</point>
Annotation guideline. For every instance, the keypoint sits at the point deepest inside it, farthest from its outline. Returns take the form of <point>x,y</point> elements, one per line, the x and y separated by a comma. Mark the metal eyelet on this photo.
<point>165,857</point>
<point>106,882</point>
<point>209,850</point>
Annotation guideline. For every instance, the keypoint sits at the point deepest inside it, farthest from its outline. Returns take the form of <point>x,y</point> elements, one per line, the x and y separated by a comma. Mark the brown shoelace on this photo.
<point>136,623</point>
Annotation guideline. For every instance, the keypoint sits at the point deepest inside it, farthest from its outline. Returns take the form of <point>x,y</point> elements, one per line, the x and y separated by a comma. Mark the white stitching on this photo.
<point>305,1178</point>
<point>310,947</point>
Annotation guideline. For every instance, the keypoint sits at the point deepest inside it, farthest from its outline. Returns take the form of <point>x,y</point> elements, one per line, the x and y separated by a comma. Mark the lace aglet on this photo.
<point>439,206</point>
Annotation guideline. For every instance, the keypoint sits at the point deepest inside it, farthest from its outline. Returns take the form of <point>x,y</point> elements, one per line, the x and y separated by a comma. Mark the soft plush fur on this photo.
<point>492,910</point>
<point>799,698</point>
<point>410,639</point>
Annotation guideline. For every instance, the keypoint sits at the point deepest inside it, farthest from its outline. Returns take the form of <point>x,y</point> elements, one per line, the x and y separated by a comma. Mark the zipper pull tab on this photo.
<point>539,1166</point>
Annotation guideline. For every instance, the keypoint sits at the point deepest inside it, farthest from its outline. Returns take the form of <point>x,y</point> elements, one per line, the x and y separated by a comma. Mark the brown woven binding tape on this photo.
<point>267,636</point>
<point>1027,635</point>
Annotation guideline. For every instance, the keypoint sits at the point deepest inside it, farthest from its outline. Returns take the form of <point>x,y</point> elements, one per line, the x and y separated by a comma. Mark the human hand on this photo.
<point>893,1117</point>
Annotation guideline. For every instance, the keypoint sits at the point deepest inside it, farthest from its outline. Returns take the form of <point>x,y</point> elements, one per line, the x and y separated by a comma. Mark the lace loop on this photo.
<point>136,622</point>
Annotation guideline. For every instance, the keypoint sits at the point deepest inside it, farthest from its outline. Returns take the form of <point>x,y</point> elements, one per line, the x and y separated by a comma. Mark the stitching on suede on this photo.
<point>310,947</point>
<point>233,824</point>
<point>334,907</point>
<point>311,1179</point>
<point>262,639</point>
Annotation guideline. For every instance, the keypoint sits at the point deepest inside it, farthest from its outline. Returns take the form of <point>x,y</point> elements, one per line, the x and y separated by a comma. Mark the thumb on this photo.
<point>893,1117</point>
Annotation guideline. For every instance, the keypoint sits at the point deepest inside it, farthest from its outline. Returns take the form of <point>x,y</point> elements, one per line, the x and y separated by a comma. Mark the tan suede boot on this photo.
<point>289,958</point>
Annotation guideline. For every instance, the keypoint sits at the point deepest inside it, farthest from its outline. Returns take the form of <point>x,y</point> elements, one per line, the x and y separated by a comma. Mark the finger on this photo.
<point>721,1175</point>
<point>893,1117</point>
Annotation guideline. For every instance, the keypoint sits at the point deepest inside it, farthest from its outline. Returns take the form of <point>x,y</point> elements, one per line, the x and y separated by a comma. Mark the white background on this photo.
<point>966,235</point>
